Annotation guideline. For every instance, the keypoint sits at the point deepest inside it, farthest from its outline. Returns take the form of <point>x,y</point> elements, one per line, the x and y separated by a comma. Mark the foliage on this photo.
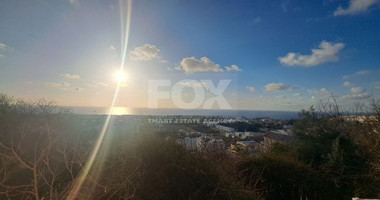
<point>44,148</point>
<point>277,177</point>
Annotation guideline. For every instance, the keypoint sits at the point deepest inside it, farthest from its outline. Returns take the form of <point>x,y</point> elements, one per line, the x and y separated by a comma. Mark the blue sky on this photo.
<point>280,55</point>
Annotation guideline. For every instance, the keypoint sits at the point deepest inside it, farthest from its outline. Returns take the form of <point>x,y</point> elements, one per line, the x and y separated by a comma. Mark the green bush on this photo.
<point>276,177</point>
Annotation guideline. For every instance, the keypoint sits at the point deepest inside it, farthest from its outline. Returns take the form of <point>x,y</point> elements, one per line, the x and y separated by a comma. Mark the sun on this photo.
<point>120,76</point>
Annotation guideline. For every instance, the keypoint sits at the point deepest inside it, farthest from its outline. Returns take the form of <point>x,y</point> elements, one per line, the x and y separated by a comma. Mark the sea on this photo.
<point>282,115</point>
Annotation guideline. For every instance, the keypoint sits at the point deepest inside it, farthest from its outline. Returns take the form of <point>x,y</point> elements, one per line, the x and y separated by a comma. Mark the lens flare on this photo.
<point>74,192</point>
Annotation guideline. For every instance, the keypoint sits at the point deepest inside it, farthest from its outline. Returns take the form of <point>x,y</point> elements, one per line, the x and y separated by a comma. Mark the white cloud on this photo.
<point>355,7</point>
<point>191,65</point>
<point>96,84</point>
<point>63,85</point>
<point>250,88</point>
<point>275,87</point>
<point>112,48</point>
<point>70,76</point>
<point>256,20</point>
<point>360,95</point>
<point>74,2</point>
<point>233,68</point>
<point>283,5</point>
<point>144,53</point>
<point>357,96</point>
<point>2,46</point>
<point>74,89</point>
<point>321,91</point>
<point>327,52</point>
<point>357,93</point>
<point>363,72</point>
<point>297,94</point>
<point>347,84</point>
<point>55,84</point>
<point>357,90</point>
<point>195,84</point>
<point>376,85</point>
<point>358,73</point>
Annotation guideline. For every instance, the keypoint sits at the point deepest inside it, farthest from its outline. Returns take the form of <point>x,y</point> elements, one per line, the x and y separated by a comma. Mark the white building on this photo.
<point>203,143</point>
<point>238,134</point>
<point>224,128</point>
<point>188,143</point>
<point>253,134</point>
<point>209,144</point>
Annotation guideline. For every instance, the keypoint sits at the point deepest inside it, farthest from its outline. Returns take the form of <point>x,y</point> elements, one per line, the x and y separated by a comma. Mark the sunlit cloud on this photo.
<point>144,53</point>
<point>327,52</point>
<point>347,84</point>
<point>192,65</point>
<point>56,84</point>
<point>276,87</point>
<point>70,76</point>
<point>73,89</point>
<point>357,90</point>
<point>355,7</point>
<point>233,68</point>
<point>250,88</point>
<point>63,85</point>
<point>95,84</point>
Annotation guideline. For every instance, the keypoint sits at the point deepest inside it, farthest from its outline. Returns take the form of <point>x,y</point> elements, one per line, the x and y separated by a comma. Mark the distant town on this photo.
<point>224,135</point>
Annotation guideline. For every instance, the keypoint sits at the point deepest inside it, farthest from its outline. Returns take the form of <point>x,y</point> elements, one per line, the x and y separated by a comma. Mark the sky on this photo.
<point>276,55</point>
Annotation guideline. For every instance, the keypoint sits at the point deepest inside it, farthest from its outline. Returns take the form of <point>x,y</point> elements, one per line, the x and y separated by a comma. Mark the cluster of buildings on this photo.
<point>202,144</point>
<point>228,139</point>
<point>261,143</point>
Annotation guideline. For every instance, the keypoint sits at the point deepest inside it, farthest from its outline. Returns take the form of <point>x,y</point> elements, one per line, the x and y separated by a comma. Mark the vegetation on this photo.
<point>334,157</point>
<point>44,149</point>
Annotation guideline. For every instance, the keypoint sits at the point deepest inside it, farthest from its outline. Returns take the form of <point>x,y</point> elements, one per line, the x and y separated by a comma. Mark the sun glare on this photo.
<point>121,77</point>
<point>120,111</point>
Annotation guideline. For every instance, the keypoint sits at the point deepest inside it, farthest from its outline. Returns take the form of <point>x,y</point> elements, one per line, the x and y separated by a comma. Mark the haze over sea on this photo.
<point>285,115</point>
